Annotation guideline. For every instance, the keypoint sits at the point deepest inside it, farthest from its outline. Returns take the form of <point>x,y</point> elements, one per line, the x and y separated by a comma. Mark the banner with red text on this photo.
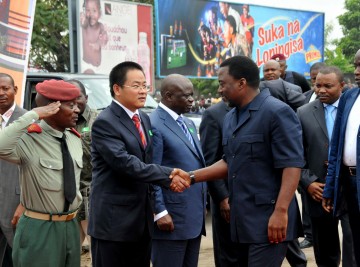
<point>194,41</point>
<point>110,32</point>
<point>16,21</point>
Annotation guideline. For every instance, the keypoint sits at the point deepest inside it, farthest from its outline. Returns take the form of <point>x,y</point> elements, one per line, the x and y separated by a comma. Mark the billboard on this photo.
<point>110,32</point>
<point>16,21</point>
<point>193,37</point>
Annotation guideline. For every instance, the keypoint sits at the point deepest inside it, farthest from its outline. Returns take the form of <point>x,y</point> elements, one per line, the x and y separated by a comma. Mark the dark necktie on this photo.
<point>69,174</point>
<point>182,124</point>
<point>136,120</point>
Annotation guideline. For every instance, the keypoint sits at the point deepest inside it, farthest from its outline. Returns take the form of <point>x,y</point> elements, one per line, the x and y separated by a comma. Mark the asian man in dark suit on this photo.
<point>121,214</point>
<point>9,173</point>
<point>179,218</point>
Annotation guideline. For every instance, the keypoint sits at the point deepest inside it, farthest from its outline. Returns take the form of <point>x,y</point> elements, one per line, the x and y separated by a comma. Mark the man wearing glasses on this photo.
<point>121,216</point>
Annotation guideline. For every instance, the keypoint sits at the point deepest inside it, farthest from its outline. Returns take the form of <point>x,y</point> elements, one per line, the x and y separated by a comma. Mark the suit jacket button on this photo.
<point>272,201</point>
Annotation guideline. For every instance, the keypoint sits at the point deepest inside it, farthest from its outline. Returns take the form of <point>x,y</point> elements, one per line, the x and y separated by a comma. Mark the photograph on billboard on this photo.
<point>16,21</point>
<point>111,32</point>
<point>193,37</point>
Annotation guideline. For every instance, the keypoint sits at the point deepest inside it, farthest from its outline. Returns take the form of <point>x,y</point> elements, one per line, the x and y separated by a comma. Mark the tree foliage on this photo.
<point>350,22</point>
<point>50,37</point>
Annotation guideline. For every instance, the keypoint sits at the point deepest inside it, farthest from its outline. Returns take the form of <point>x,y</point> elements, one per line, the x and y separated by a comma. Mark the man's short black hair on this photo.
<point>243,67</point>
<point>78,84</point>
<point>119,72</point>
<point>5,75</point>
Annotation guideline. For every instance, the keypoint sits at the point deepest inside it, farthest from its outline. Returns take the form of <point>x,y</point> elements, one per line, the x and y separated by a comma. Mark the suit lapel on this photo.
<point>170,123</point>
<point>14,116</point>
<point>319,115</point>
<point>126,121</point>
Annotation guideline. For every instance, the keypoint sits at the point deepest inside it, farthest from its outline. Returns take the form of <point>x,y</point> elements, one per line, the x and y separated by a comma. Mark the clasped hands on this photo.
<point>180,180</point>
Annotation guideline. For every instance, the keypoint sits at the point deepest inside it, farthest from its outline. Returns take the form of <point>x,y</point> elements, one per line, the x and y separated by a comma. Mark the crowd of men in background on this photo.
<point>260,140</point>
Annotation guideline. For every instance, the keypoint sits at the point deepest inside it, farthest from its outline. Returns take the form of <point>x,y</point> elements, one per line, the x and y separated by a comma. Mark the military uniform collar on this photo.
<point>50,130</point>
<point>86,114</point>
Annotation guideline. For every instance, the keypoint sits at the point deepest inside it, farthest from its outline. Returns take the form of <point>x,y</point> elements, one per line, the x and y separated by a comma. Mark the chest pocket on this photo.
<point>252,146</point>
<point>53,168</point>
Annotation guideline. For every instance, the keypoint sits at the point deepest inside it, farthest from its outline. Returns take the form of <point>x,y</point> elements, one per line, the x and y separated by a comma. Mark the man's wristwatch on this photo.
<point>192,177</point>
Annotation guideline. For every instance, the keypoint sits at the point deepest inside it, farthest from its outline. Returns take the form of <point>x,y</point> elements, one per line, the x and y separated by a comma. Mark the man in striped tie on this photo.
<point>179,218</point>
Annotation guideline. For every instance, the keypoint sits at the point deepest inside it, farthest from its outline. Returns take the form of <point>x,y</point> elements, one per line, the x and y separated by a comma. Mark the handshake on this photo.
<point>180,180</point>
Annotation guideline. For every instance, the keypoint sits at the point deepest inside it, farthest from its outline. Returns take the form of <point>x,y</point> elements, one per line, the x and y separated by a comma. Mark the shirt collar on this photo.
<point>50,130</point>
<point>335,104</point>
<point>128,111</point>
<point>172,113</point>
<point>6,116</point>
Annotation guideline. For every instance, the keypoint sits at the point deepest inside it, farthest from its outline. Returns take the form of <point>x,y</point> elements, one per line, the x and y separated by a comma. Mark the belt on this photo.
<point>350,170</point>
<point>50,217</point>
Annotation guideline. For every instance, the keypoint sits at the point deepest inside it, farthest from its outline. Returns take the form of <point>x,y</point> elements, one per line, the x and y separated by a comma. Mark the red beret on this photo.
<point>58,90</point>
<point>278,57</point>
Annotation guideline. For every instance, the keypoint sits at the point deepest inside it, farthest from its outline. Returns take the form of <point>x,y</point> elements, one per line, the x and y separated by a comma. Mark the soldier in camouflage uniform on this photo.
<point>87,117</point>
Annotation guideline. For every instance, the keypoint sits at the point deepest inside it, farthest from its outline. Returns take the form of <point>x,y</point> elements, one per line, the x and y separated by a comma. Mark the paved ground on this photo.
<point>206,257</point>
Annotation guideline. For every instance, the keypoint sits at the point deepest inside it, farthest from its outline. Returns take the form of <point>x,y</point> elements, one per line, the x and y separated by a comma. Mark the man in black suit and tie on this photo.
<point>287,92</point>
<point>317,120</point>
<point>121,214</point>
<point>9,173</point>
<point>314,70</point>
<point>225,250</point>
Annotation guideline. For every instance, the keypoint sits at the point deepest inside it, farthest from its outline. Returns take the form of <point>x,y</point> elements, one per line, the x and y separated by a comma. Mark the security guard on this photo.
<point>50,158</point>
<point>86,119</point>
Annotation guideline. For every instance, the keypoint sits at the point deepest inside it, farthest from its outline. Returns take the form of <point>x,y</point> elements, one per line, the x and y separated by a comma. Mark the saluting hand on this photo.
<point>48,110</point>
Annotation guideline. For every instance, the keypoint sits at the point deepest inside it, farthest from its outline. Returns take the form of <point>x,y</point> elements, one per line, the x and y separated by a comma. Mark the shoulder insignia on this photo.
<point>72,130</point>
<point>34,128</point>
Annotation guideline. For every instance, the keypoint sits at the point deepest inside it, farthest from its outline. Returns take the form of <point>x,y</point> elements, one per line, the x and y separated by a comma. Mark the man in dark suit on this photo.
<point>225,250</point>
<point>291,76</point>
<point>314,70</point>
<point>180,218</point>
<point>329,84</point>
<point>121,215</point>
<point>262,144</point>
<point>10,208</point>
<point>342,189</point>
<point>287,92</point>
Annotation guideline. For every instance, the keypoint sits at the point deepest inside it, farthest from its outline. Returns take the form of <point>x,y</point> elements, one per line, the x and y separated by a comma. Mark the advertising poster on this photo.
<point>110,32</point>
<point>194,41</point>
<point>16,21</point>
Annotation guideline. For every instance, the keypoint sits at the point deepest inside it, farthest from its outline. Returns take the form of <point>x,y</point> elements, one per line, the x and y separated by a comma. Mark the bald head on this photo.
<point>271,70</point>
<point>357,67</point>
<point>177,93</point>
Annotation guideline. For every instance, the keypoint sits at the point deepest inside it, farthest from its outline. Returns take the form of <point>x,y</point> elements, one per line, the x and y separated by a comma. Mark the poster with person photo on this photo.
<point>195,41</point>
<point>110,32</point>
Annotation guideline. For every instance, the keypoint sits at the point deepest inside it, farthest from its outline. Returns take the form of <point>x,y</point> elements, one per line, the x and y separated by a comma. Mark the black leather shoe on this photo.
<point>305,244</point>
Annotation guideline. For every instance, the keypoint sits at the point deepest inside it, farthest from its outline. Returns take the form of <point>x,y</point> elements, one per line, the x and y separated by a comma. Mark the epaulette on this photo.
<point>73,130</point>
<point>34,128</point>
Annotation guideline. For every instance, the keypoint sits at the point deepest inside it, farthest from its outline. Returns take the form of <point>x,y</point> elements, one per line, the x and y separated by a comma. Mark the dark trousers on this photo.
<point>305,215</point>
<point>262,255</point>
<point>175,253</point>
<point>225,251</point>
<point>348,257</point>
<point>294,255</point>
<point>326,240</point>
<point>121,254</point>
<point>351,198</point>
<point>7,261</point>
